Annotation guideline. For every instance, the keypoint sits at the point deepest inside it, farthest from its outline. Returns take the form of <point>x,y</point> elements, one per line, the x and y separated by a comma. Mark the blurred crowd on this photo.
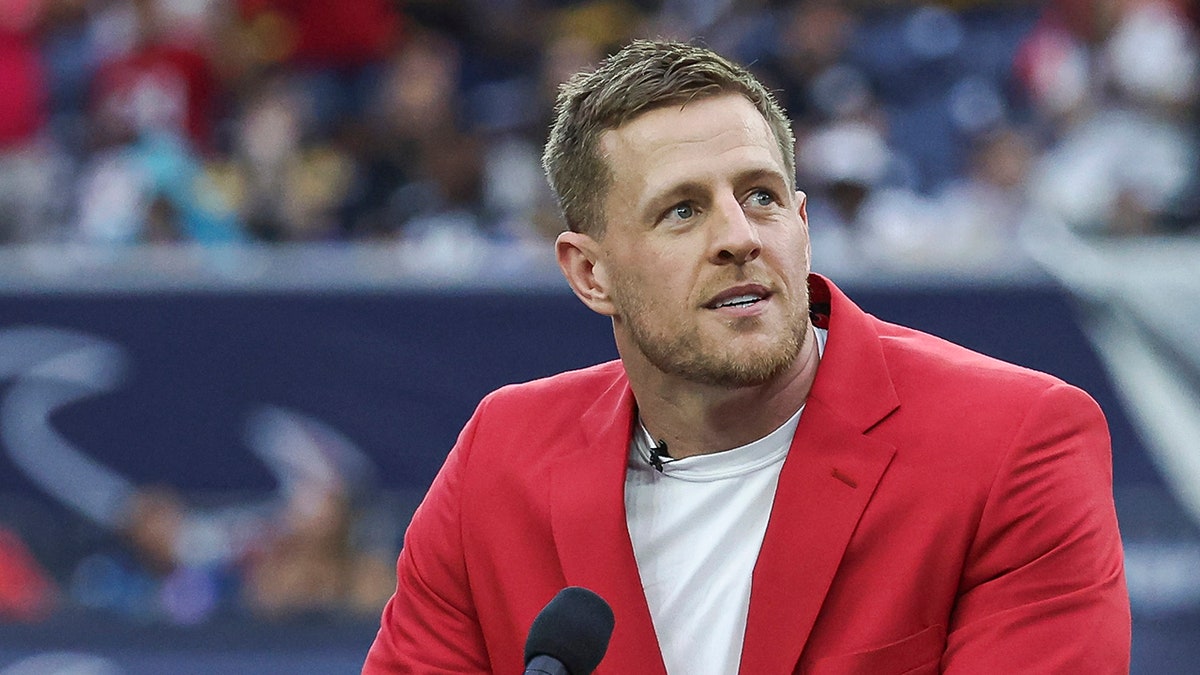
<point>927,132</point>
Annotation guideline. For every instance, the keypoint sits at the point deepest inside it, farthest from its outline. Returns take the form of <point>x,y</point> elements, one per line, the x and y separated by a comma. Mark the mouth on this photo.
<point>739,297</point>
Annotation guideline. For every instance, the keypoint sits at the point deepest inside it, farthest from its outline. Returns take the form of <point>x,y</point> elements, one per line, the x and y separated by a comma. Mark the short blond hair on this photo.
<point>644,75</point>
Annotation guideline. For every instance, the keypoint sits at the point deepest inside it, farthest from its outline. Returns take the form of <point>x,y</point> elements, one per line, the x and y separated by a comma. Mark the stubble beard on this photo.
<point>690,355</point>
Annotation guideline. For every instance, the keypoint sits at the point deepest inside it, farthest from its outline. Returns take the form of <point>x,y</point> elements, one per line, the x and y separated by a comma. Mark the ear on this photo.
<point>802,209</point>
<point>579,258</point>
<point>802,206</point>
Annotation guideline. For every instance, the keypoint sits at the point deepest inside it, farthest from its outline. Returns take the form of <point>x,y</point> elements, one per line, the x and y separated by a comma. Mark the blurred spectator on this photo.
<point>152,190</point>
<point>26,591</point>
<point>153,116</point>
<point>284,187</point>
<point>808,59</point>
<point>843,166</point>
<point>311,563</point>
<point>986,207</point>
<point>152,78</point>
<point>1116,82</point>
<point>66,37</point>
<point>335,49</point>
<point>23,113</point>
<point>423,171</point>
<point>28,161</point>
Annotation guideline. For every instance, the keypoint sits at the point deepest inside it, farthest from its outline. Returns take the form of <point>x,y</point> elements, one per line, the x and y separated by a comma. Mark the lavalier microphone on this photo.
<point>659,455</point>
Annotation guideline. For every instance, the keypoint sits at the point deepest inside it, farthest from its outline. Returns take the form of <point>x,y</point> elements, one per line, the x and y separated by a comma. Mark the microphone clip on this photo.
<point>659,455</point>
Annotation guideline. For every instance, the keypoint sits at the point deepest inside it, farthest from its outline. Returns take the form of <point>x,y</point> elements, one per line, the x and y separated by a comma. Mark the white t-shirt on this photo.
<point>697,527</point>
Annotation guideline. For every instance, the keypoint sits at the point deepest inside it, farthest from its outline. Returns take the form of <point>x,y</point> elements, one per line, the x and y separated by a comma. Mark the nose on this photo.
<point>735,239</point>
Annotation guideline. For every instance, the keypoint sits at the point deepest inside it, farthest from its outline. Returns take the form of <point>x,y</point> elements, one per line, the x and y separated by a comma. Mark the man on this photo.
<point>769,480</point>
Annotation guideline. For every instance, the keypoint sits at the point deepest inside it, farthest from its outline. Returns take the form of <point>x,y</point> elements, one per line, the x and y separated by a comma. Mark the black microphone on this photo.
<point>570,635</point>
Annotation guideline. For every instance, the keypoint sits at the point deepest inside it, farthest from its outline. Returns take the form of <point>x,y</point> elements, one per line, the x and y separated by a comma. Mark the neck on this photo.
<point>696,419</point>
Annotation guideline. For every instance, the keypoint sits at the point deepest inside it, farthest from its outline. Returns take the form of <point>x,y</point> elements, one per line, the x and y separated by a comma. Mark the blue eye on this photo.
<point>762,198</point>
<point>682,211</point>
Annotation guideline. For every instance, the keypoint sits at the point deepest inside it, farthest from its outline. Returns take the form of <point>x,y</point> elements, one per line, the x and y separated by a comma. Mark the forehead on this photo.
<point>676,141</point>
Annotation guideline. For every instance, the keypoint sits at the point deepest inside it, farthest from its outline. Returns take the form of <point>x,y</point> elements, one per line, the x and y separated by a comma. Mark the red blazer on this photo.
<point>939,511</point>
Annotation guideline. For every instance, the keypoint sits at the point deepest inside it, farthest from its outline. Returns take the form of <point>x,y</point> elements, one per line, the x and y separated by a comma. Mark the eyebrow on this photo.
<point>690,188</point>
<point>760,175</point>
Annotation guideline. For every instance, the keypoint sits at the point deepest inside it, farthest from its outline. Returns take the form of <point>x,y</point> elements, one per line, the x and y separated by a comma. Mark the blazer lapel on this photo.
<point>826,483</point>
<point>587,513</point>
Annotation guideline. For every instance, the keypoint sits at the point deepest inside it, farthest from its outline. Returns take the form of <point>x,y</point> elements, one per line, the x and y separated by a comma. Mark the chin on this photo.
<point>745,368</point>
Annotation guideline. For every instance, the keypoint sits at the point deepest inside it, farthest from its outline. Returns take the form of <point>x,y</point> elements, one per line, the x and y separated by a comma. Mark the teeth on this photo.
<point>740,300</point>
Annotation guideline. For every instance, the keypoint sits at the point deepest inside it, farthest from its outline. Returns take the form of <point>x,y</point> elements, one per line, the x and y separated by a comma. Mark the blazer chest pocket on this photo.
<point>917,654</point>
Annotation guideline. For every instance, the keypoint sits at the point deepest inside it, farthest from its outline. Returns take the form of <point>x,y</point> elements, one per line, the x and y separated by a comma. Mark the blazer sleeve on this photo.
<point>429,625</point>
<point>1043,588</point>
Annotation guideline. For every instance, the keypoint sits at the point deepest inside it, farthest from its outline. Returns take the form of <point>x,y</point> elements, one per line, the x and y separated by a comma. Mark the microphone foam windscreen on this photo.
<point>574,628</point>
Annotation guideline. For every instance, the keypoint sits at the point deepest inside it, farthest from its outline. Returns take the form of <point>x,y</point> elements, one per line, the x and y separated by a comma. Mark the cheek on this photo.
<point>653,287</point>
<point>653,274</point>
<point>794,254</point>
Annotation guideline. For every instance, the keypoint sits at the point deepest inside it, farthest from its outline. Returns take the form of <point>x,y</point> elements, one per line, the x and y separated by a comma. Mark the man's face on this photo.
<point>705,254</point>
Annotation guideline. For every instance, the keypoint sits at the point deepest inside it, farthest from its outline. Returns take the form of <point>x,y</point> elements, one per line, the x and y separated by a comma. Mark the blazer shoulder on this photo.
<point>584,384</point>
<point>934,361</point>
<point>526,424</point>
<point>547,404</point>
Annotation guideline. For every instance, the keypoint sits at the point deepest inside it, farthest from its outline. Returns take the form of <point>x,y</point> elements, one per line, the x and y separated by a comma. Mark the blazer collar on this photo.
<point>587,514</point>
<point>826,482</point>
<point>853,376</point>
